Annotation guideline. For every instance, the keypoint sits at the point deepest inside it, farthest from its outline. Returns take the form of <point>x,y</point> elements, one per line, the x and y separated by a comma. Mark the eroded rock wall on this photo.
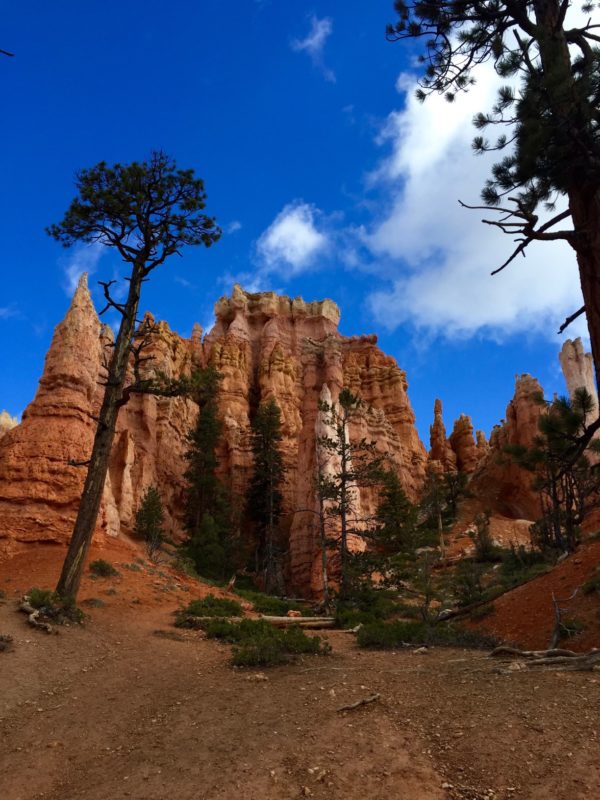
<point>265,346</point>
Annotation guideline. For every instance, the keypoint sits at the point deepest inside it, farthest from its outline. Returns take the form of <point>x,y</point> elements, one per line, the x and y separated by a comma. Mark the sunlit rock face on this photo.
<point>39,489</point>
<point>578,368</point>
<point>265,346</point>
<point>7,423</point>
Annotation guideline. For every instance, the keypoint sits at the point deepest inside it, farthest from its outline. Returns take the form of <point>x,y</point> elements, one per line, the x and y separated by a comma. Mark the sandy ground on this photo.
<point>113,710</point>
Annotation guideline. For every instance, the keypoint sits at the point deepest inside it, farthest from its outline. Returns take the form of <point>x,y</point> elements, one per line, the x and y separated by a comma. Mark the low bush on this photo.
<point>209,606</point>
<point>391,635</point>
<point>259,643</point>
<point>264,645</point>
<point>54,608</point>
<point>41,598</point>
<point>268,604</point>
<point>102,569</point>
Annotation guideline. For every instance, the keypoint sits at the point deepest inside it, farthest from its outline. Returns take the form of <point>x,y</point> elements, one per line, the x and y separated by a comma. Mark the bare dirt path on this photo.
<point>112,710</point>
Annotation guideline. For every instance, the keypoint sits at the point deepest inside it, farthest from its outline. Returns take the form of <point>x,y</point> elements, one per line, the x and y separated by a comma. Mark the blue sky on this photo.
<point>328,179</point>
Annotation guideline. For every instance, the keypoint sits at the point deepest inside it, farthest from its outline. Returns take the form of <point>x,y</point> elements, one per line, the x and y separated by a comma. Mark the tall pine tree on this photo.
<point>265,499</point>
<point>356,464</point>
<point>207,512</point>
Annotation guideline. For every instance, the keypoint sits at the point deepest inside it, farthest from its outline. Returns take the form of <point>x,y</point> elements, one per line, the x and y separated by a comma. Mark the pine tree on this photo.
<point>147,211</point>
<point>149,521</point>
<point>549,111</point>
<point>567,488</point>
<point>393,536</point>
<point>265,499</point>
<point>356,464</point>
<point>207,512</point>
<point>395,518</point>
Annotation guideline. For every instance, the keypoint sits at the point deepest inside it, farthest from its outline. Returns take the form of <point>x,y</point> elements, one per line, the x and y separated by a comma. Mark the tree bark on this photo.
<point>585,209</point>
<point>87,515</point>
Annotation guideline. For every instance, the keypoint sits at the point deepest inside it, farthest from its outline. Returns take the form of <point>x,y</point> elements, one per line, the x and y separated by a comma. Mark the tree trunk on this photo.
<point>85,524</point>
<point>584,199</point>
<point>585,209</point>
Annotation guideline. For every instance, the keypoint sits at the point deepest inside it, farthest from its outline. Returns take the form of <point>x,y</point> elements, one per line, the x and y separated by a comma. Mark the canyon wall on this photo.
<point>265,346</point>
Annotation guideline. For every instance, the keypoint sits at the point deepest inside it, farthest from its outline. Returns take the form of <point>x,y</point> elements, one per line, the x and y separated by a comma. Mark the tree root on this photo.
<point>553,659</point>
<point>364,702</point>
<point>33,617</point>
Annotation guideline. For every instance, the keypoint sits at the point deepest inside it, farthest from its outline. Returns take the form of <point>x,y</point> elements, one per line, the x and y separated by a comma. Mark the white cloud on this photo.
<point>441,255</point>
<point>233,226</point>
<point>292,240</point>
<point>314,44</point>
<point>84,258</point>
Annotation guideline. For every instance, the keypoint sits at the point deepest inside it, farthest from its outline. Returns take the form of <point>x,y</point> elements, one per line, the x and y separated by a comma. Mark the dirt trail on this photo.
<point>113,710</point>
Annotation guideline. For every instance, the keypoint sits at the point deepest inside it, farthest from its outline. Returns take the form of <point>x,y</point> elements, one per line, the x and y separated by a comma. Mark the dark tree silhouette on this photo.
<point>550,110</point>
<point>147,211</point>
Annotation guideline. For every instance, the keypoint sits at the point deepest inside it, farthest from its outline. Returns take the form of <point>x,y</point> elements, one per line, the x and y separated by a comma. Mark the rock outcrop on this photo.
<point>441,455</point>
<point>578,368</point>
<point>7,423</point>
<point>265,346</point>
<point>463,444</point>
<point>499,484</point>
<point>460,452</point>
<point>39,488</point>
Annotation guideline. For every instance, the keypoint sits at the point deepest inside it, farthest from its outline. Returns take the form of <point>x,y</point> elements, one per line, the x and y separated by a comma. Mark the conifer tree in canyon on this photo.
<point>147,211</point>
<point>549,110</point>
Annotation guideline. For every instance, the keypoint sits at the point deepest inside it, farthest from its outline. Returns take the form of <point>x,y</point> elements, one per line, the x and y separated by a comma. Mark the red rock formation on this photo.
<point>441,455</point>
<point>267,346</point>
<point>264,346</point>
<point>462,442</point>
<point>499,484</point>
<point>483,447</point>
<point>39,490</point>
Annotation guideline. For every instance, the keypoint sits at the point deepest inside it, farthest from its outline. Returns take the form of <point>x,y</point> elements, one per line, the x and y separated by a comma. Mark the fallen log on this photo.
<point>504,650</point>
<point>310,623</point>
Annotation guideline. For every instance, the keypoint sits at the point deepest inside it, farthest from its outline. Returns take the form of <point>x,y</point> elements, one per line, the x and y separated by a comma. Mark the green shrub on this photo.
<point>264,645</point>
<point>211,606</point>
<point>41,598</point>
<point>392,635</point>
<point>258,643</point>
<point>222,629</point>
<point>268,604</point>
<point>102,569</point>
<point>263,651</point>
<point>54,608</point>
<point>468,583</point>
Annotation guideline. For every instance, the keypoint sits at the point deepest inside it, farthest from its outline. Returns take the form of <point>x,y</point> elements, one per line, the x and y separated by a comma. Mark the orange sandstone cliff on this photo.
<point>264,346</point>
